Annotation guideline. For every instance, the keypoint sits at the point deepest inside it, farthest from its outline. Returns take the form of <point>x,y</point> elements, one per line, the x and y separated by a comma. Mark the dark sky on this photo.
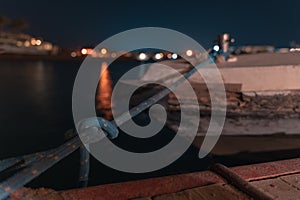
<point>76,23</point>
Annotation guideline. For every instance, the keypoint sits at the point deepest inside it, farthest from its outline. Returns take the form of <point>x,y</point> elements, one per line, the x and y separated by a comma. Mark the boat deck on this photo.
<point>264,59</point>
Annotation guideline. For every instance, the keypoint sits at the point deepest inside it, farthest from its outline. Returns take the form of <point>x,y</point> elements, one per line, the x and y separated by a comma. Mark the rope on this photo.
<point>22,161</point>
<point>84,167</point>
<point>35,169</point>
<point>37,166</point>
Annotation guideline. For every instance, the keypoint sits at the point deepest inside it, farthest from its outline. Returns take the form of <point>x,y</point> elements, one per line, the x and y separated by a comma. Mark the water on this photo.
<point>36,112</point>
<point>35,104</point>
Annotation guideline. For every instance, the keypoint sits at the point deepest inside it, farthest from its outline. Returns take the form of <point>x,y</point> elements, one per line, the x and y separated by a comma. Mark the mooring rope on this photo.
<point>21,161</point>
<point>39,163</point>
<point>84,166</point>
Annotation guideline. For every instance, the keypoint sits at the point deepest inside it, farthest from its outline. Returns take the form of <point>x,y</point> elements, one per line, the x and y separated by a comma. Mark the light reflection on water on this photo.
<point>35,104</point>
<point>103,93</point>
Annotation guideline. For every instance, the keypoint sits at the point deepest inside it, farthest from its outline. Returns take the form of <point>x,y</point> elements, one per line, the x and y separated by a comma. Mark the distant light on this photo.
<point>169,56</point>
<point>174,56</point>
<point>38,42</point>
<point>128,55</point>
<point>94,54</point>
<point>48,46</point>
<point>142,56</point>
<point>103,51</point>
<point>113,55</point>
<point>84,51</point>
<point>33,41</point>
<point>294,49</point>
<point>73,54</point>
<point>189,53</point>
<point>216,48</point>
<point>19,43</point>
<point>159,56</point>
<point>26,43</point>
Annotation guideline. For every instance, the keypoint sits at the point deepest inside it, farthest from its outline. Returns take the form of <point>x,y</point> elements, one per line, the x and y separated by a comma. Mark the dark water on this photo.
<point>35,104</point>
<point>36,112</point>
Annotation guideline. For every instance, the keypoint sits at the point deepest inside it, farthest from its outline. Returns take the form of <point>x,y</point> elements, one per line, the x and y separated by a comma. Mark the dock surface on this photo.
<point>279,180</point>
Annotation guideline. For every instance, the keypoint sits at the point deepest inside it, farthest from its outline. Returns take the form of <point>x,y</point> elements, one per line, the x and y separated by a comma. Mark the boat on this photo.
<point>263,95</point>
<point>24,44</point>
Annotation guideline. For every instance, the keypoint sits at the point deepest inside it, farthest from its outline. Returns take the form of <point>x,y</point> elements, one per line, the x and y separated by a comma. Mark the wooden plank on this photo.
<point>278,189</point>
<point>173,184</point>
<point>143,188</point>
<point>284,187</point>
<point>293,180</point>
<point>215,191</point>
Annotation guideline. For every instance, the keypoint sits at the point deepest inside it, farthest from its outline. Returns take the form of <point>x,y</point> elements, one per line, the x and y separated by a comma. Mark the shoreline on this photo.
<point>22,57</point>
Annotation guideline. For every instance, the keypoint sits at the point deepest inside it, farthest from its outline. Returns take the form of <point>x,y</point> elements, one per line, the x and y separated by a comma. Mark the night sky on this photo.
<point>76,23</point>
